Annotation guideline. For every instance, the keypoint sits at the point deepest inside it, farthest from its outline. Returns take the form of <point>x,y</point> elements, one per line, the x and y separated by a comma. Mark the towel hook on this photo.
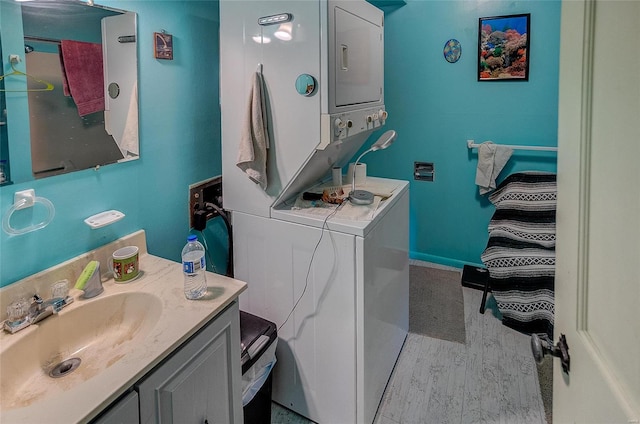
<point>259,70</point>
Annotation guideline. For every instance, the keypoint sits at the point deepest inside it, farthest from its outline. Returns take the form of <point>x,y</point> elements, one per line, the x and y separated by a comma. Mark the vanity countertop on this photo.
<point>67,402</point>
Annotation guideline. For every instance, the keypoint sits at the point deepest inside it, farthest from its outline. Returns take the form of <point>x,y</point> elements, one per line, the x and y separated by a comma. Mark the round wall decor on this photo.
<point>452,50</point>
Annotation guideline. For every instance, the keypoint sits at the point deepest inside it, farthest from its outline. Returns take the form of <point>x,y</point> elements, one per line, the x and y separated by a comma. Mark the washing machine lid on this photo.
<point>343,220</point>
<point>318,166</point>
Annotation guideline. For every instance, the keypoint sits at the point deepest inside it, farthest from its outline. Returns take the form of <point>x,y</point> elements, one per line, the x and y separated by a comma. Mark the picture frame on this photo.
<point>163,45</point>
<point>503,48</point>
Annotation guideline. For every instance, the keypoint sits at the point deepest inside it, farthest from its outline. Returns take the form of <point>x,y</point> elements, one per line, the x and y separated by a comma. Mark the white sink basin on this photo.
<point>100,332</point>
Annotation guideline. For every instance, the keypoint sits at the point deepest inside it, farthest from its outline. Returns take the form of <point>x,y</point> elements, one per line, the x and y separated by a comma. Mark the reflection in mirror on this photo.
<point>82,50</point>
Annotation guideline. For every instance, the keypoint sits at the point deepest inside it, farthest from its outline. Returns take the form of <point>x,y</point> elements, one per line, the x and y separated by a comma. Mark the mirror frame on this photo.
<point>17,149</point>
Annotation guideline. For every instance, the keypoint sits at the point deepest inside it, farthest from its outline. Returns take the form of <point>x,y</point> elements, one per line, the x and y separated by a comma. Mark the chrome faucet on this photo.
<point>39,309</point>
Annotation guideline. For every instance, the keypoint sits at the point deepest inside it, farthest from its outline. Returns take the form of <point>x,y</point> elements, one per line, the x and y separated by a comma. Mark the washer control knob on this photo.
<point>383,115</point>
<point>338,126</point>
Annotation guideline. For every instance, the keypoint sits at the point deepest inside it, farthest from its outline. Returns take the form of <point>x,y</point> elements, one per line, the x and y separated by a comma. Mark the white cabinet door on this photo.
<point>598,248</point>
<point>200,383</point>
<point>124,411</point>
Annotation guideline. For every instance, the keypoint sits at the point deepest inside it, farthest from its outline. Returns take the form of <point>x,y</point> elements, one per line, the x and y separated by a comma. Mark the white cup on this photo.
<point>361,173</point>
<point>336,174</point>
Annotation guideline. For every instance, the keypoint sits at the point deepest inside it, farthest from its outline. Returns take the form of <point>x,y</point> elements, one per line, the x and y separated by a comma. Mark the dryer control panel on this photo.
<point>338,126</point>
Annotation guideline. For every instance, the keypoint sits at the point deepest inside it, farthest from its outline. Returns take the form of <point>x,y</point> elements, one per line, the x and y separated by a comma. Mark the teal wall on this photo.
<point>435,106</point>
<point>180,145</point>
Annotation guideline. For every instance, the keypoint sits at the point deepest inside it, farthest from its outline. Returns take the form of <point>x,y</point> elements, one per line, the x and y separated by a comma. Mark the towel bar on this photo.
<point>471,144</point>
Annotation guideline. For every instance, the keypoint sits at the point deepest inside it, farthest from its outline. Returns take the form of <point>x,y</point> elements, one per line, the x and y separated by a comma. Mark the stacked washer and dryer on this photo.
<point>337,287</point>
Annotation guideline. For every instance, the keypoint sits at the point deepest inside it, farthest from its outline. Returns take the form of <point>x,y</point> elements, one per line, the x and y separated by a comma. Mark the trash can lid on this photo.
<point>256,335</point>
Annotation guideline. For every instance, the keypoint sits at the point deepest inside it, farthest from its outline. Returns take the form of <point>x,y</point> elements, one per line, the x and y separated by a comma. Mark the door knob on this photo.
<point>539,348</point>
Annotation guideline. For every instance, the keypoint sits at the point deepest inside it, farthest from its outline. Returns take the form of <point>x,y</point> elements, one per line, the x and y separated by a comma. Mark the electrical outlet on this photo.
<point>202,195</point>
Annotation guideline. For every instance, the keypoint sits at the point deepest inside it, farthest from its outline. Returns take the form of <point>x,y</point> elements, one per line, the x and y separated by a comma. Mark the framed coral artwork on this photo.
<point>503,48</point>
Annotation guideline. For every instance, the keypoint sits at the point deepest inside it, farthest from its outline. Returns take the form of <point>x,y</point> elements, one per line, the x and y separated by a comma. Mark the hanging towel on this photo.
<point>82,70</point>
<point>254,142</point>
<point>491,159</point>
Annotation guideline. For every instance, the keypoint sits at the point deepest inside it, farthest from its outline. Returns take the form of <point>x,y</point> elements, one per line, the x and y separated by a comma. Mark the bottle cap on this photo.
<point>192,237</point>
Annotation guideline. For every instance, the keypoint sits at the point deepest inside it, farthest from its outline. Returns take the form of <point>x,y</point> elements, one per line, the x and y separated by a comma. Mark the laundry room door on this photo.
<point>120,67</point>
<point>598,225</point>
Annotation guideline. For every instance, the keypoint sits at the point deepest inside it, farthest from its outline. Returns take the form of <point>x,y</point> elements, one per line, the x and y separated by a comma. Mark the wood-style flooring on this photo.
<point>490,379</point>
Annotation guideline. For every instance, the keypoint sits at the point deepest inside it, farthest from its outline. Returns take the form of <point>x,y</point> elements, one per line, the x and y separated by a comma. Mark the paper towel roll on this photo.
<point>336,173</point>
<point>361,173</point>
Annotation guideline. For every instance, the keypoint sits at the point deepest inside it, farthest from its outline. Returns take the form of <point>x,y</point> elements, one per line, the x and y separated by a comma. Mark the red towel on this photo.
<point>82,70</point>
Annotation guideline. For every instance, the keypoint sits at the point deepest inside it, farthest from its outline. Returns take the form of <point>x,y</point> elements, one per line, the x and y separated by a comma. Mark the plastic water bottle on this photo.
<point>193,268</point>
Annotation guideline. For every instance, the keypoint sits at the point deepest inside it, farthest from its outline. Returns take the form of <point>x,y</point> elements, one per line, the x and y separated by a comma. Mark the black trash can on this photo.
<point>258,337</point>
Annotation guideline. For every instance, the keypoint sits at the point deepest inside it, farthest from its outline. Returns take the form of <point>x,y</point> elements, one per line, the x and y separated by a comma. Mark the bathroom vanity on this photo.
<point>194,384</point>
<point>147,353</point>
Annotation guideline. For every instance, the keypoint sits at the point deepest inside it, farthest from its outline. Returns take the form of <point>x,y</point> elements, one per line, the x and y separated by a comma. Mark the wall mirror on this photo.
<point>90,117</point>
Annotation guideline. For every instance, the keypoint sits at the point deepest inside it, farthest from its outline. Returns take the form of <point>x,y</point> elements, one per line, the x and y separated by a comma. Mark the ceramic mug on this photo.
<point>124,264</point>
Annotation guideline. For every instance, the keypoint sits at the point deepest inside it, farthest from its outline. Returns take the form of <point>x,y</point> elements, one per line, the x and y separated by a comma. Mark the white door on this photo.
<point>598,217</point>
<point>121,67</point>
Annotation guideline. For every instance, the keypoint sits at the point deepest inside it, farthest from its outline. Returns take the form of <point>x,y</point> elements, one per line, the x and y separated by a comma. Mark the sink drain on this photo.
<point>65,367</point>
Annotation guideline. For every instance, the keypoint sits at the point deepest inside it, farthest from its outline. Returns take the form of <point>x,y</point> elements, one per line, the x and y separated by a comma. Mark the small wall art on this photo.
<point>452,50</point>
<point>163,45</point>
<point>503,48</point>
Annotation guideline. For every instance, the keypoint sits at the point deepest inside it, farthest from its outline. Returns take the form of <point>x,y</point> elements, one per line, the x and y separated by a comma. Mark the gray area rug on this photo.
<point>436,305</point>
<point>545,369</point>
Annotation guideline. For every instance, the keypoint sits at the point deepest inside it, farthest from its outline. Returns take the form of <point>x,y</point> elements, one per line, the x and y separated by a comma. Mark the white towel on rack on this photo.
<point>254,141</point>
<point>491,159</point>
